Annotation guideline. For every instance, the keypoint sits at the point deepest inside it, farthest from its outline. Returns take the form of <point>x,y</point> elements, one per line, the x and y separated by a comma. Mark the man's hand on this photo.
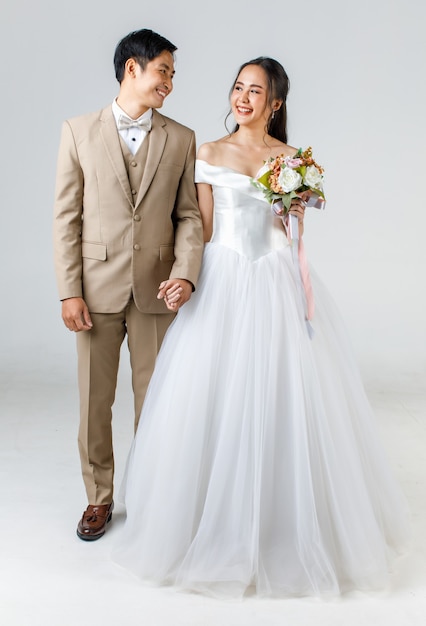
<point>76,315</point>
<point>175,293</point>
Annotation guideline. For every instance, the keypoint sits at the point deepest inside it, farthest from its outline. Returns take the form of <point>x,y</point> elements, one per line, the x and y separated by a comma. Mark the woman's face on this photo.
<point>249,98</point>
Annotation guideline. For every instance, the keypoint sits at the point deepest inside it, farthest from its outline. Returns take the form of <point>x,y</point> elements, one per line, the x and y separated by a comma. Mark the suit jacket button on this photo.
<point>137,218</point>
<point>136,247</point>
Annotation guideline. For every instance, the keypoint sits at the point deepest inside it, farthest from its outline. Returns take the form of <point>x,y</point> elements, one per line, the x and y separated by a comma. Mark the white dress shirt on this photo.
<point>133,137</point>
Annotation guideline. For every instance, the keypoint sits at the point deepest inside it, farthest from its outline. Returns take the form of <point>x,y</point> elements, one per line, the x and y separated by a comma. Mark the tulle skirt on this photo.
<point>257,464</point>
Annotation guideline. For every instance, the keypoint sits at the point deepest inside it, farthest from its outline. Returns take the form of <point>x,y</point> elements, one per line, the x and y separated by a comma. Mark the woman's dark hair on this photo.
<point>142,45</point>
<point>278,87</point>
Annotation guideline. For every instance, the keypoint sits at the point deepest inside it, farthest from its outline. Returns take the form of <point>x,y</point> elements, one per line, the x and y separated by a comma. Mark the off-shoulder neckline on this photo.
<point>229,169</point>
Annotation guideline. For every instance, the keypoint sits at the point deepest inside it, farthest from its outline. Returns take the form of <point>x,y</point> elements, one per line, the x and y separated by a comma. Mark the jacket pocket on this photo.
<point>97,251</point>
<point>167,253</point>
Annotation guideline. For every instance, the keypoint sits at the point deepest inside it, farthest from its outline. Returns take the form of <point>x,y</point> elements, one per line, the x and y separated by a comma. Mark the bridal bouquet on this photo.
<point>281,179</point>
<point>284,178</point>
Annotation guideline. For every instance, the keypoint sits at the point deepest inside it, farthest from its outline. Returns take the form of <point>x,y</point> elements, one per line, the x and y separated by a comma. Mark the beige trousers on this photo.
<point>98,357</point>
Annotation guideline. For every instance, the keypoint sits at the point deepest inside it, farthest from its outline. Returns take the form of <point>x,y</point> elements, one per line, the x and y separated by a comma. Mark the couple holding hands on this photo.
<point>256,462</point>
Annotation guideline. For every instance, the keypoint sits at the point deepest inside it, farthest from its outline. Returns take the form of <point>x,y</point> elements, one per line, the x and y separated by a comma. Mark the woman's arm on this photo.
<point>206,152</point>
<point>205,203</point>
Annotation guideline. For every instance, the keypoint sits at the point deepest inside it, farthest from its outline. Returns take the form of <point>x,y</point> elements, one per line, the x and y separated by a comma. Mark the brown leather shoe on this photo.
<point>92,525</point>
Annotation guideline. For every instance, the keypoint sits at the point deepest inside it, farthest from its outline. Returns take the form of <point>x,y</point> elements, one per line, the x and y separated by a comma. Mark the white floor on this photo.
<point>49,577</point>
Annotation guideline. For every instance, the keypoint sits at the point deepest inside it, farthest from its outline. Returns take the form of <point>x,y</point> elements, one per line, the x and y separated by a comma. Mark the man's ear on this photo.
<point>130,67</point>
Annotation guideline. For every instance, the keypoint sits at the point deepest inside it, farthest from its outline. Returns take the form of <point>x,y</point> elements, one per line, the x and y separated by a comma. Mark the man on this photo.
<point>128,246</point>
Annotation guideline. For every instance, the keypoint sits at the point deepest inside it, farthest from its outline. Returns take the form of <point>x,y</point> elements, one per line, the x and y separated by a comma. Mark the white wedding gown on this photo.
<point>257,464</point>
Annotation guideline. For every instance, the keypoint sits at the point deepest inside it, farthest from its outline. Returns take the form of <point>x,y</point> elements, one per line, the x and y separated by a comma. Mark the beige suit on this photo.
<point>122,225</point>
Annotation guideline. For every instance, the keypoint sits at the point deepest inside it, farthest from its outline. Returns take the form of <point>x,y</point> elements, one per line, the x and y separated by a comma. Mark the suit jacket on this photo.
<point>108,245</point>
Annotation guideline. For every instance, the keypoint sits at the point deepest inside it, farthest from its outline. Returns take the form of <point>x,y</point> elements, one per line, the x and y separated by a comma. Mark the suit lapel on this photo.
<point>111,141</point>
<point>157,141</point>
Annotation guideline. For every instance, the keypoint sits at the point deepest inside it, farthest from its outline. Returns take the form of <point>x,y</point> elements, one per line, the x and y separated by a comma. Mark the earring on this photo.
<point>273,114</point>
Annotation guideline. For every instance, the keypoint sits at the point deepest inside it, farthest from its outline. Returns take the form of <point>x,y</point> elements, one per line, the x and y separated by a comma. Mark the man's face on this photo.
<point>153,84</point>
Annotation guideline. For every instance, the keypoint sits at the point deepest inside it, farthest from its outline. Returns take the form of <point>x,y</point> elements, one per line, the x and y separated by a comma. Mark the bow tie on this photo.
<point>126,122</point>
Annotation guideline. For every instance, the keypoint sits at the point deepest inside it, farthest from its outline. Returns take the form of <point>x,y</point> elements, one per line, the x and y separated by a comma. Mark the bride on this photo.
<point>256,465</point>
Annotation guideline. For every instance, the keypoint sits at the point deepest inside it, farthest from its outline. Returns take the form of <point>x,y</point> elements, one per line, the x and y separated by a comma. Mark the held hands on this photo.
<point>76,315</point>
<point>175,293</point>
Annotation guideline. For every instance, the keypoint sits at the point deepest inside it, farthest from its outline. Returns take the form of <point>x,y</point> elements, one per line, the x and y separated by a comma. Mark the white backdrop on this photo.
<point>357,96</point>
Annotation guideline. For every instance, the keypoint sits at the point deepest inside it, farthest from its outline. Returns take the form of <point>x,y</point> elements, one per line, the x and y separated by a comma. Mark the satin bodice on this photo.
<point>242,218</point>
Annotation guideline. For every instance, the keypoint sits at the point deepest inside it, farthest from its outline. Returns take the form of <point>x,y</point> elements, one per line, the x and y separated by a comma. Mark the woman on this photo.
<point>256,463</point>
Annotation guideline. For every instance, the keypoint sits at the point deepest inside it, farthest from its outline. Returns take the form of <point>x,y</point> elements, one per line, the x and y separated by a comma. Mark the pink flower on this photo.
<point>293,163</point>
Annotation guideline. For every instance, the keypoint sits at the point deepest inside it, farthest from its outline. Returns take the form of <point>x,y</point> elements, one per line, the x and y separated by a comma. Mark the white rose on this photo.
<point>313,177</point>
<point>289,179</point>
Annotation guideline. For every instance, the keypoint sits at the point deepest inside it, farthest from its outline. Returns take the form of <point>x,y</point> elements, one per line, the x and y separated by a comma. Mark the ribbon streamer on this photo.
<point>300,259</point>
<point>291,225</point>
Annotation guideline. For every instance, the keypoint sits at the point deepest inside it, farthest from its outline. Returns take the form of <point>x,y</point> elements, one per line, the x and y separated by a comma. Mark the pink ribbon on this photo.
<point>292,231</point>
<point>291,226</point>
<point>306,280</point>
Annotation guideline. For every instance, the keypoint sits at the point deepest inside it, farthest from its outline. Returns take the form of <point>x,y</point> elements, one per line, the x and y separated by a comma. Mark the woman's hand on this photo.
<point>298,206</point>
<point>175,292</point>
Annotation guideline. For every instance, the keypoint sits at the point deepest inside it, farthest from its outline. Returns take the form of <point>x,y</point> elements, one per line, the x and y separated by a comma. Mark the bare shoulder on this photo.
<point>292,150</point>
<point>279,148</point>
<point>212,151</point>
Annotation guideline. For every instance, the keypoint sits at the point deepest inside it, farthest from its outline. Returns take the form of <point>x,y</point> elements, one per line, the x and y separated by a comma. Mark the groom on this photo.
<point>128,246</point>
